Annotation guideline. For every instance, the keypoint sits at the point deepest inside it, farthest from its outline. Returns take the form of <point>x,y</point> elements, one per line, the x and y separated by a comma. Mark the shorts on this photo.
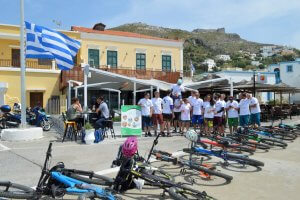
<point>255,119</point>
<point>233,121</point>
<point>209,122</point>
<point>186,121</point>
<point>157,119</point>
<point>167,117</point>
<point>197,119</point>
<point>244,120</point>
<point>177,116</point>
<point>218,121</point>
<point>146,121</point>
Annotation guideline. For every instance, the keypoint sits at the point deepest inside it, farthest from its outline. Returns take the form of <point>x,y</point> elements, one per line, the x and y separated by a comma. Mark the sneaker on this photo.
<point>149,134</point>
<point>155,133</point>
<point>139,183</point>
<point>146,134</point>
<point>162,134</point>
<point>169,135</point>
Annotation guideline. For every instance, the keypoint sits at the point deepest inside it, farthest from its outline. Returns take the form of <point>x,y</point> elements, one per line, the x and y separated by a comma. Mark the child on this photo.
<point>185,110</point>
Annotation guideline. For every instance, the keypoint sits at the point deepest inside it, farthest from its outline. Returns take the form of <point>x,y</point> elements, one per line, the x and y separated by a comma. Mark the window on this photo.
<point>140,61</point>
<point>289,68</point>
<point>93,56</point>
<point>166,63</point>
<point>112,58</point>
<point>44,61</point>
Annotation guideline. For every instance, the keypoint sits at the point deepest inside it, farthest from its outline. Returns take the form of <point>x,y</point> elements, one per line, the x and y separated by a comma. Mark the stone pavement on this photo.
<point>279,179</point>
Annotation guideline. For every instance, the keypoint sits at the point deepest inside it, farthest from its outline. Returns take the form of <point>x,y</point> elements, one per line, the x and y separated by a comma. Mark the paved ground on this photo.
<point>280,178</point>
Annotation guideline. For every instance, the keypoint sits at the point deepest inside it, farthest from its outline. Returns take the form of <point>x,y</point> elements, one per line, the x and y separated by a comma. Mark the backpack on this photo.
<point>99,135</point>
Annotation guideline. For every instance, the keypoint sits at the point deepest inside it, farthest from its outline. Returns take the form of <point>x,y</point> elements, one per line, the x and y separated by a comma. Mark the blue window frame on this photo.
<point>112,59</point>
<point>141,61</point>
<point>166,63</point>
<point>289,68</point>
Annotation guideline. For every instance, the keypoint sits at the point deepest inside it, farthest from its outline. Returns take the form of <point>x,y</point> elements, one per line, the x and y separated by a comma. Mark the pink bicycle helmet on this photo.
<point>129,147</point>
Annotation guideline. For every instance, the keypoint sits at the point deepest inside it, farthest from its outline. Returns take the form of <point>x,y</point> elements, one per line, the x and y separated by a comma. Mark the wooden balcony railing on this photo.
<point>76,74</point>
<point>33,64</point>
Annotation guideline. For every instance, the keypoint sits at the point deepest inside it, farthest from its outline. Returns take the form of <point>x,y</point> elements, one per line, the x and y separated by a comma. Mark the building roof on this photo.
<point>119,33</point>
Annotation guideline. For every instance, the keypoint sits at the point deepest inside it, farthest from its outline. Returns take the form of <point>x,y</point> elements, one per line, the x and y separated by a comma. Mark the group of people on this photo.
<point>209,115</point>
<point>75,112</point>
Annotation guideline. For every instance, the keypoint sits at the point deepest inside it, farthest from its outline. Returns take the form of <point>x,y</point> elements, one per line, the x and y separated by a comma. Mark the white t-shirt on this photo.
<point>197,106</point>
<point>219,105</point>
<point>146,105</point>
<point>191,99</point>
<point>208,110</point>
<point>177,104</point>
<point>224,105</point>
<point>185,111</point>
<point>157,102</point>
<point>232,113</point>
<point>177,89</point>
<point>244,107</point>
<point>167,103</point>
<point>256,109</point>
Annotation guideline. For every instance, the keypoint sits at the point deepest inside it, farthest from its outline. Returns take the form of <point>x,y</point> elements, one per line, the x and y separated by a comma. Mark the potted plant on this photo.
<point>89,136</point>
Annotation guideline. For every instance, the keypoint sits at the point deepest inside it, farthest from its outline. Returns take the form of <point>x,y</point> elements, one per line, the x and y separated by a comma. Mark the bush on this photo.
<point>117,119</point>
<point>88,126</point>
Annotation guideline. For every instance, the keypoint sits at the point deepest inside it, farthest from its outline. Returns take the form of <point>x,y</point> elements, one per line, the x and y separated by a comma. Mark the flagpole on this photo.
<point>23,63</point>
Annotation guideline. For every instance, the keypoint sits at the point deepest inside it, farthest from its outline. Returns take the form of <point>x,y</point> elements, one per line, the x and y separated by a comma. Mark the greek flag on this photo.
<point>43,42</point>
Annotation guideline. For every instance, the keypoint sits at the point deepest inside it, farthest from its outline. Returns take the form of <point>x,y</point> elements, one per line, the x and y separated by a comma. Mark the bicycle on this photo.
<point>55,184</point>
<point>241,159</point>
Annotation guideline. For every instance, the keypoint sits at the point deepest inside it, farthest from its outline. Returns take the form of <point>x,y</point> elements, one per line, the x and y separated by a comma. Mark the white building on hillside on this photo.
<point>210,64</point>
<point>255,63</point>
<point>289,73</point>
<point>238,76</point>
<point>223,57</point>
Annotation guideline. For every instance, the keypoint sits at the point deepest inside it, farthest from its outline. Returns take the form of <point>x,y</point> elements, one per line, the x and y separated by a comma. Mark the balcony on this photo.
<point>77,74</point>
<point>30,63</point>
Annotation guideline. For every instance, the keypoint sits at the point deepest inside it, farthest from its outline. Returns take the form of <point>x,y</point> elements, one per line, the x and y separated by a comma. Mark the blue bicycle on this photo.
<point>54,183</point>
<point>241,159</point>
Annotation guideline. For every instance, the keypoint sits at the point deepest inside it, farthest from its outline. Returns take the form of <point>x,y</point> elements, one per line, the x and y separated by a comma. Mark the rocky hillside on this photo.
<point>199,44</point>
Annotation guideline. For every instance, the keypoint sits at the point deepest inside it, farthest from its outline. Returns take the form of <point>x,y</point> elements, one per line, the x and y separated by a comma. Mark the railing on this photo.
<point>76,74</point>
<point>33,64</point>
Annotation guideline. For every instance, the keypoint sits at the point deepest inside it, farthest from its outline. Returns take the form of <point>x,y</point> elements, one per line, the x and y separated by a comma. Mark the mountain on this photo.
<point>199,44</point>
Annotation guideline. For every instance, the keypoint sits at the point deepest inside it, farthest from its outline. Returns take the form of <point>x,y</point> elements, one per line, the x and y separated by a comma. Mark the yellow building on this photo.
<point>119,52</point>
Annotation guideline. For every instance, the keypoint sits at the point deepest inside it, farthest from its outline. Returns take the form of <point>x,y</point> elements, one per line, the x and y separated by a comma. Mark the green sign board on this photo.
<point>131,120</point>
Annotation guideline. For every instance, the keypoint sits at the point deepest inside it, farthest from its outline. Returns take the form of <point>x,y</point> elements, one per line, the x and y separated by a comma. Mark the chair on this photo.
<point>70,128</point>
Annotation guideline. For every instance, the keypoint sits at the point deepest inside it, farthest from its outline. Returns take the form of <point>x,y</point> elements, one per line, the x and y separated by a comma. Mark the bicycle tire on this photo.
<point>161,173</point>
<point>245,160</point>
<point>88,177</point>
<point>284,136</point>
<point>245,149</point>
<point>182,192</point>
<point>258,145</point>
<point>24,192</point>
<point>228,178</point>
<point>274,142</point>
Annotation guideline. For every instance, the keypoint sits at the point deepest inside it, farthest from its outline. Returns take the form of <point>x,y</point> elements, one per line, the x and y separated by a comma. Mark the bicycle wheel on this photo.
<point>244,160</point>
<point>16,191</point>
<point>147,168</point>
<point>186,193</point>
<point>257,145</point>
<point>88,177</point>
<point>274,142</point>
<point>196,167</point>
<point>45,125</point>
<point>245,149</point>
<point>284,136</point>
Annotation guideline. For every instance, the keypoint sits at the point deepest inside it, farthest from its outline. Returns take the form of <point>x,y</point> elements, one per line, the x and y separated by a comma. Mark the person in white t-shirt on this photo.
<point>157,117</point>
<point>254,110</point>
<point>224,117</point>
<point>177,113</point>
<point>185,109</point>
<point>218,118</point>
<point>197,106</point>
<point>244,109</point>
<point>192,98</point>
<point>232,108</point>
<point>177,89</point>
<point>147,110</point>
<point>209,113</point>
<point>168,113</point>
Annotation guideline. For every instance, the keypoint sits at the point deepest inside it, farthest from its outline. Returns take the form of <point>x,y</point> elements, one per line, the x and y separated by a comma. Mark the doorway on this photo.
<point>35,98</point>
<point>15,57</point>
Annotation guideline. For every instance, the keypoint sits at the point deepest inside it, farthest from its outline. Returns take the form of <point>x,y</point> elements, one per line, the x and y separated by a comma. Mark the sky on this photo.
<point>265,21</point>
